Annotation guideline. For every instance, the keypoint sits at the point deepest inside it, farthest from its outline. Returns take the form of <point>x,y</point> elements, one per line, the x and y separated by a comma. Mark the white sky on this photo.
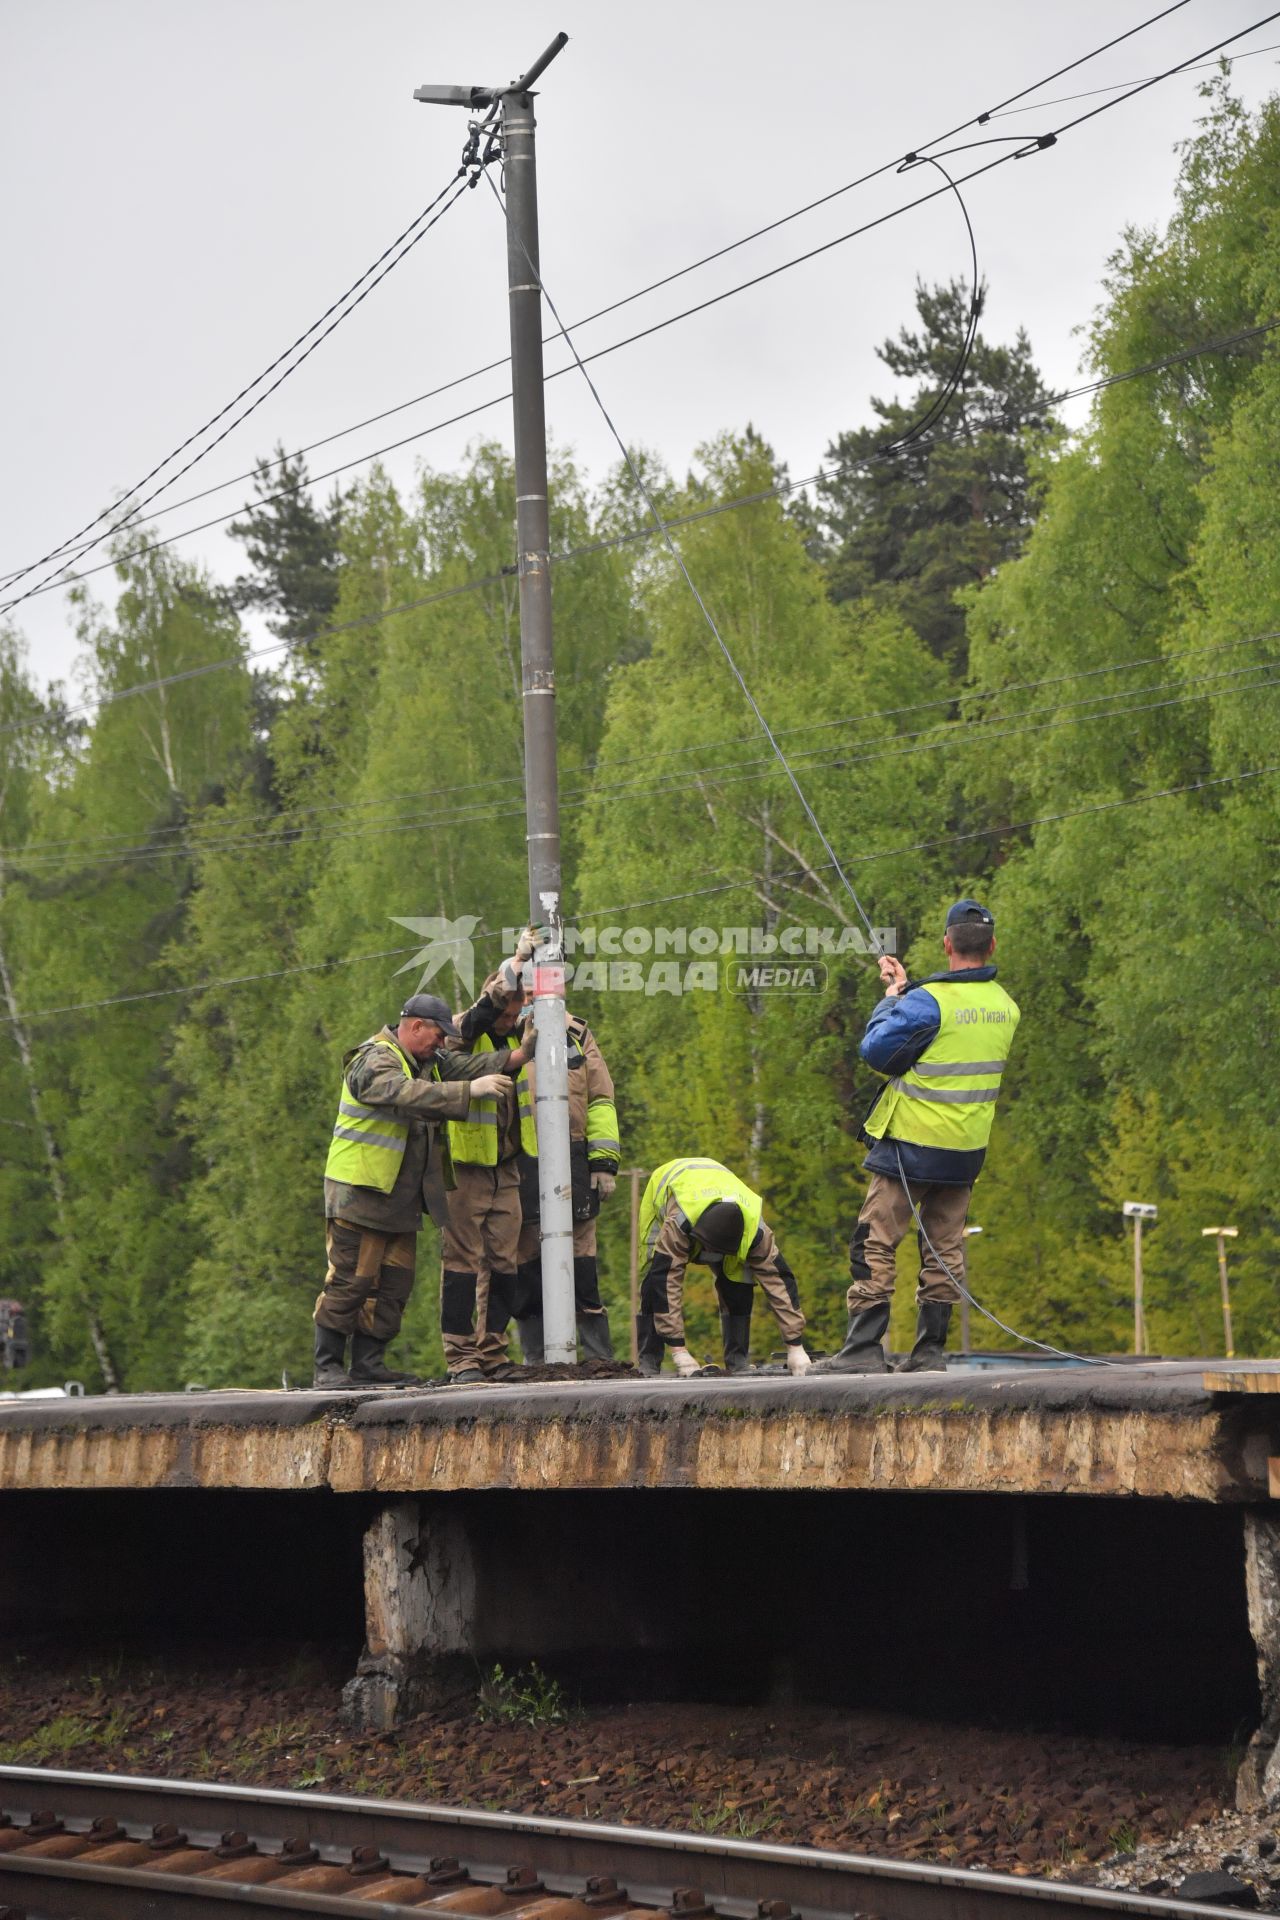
<point>189,186</point>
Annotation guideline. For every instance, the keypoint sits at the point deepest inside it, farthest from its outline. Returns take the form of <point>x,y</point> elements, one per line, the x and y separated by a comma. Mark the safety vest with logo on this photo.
<point>473,1142</point>
<point>696,1185</point>
<point>368,1142</point>
<point>948,1099</point>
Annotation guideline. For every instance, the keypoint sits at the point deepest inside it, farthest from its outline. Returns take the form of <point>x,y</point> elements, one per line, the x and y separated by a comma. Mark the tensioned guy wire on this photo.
<point>595,913</point>
<point>678,557</point>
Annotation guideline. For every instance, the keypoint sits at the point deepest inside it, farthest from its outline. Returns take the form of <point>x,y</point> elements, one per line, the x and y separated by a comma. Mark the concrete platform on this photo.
<point>1075,1537</point>
<point>1181,1430</point>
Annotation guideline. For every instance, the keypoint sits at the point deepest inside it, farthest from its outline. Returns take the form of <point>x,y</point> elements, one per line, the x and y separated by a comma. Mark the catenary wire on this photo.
<point>1067,99</point>
<point>616,542</point>
<point>342,312</point>
<point>1039,143</point>
<point>652,287</point>
<point>195,987</point>
<point>282,817</point>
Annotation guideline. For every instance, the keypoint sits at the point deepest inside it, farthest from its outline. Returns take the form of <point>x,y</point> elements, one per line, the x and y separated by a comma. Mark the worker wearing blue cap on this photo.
<point>941,1045</point>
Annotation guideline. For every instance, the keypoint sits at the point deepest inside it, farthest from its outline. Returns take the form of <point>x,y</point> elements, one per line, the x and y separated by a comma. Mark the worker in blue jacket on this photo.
<point>941,1045</point>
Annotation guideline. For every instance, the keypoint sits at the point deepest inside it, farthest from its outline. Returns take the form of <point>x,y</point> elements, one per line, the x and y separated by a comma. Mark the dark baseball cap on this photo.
<point>720,1226</point>
<point>968,913</point>
<point>429,1006</point>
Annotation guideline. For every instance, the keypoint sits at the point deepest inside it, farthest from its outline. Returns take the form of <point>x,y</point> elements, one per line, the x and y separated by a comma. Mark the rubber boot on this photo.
<point>863,1351</point>
<point>648,1346</point>
<point>532,1349</point>
<point>928,1355</point>
<point>369,1369</point>
<point>331,1359</point>
<point>597,1341</point>
<point>735,1331</point>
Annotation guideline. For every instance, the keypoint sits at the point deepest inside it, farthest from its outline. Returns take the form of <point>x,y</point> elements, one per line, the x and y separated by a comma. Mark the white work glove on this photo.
<point>798,1362</point>
<point>685,1364</point>
<point>488,1083</point>
<point>604,1183</point>
<point>529,939</point>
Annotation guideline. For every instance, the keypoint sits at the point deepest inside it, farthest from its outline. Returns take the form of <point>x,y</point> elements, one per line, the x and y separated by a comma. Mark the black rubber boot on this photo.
<point>863,1349</point>
<point>532,1348</point>
<point>649,1348</point>
<point>331,1359</point>
<point>928,1355</point>
<point>735,1331</point>
<point>369,1369</point>
<point>597,1341</point>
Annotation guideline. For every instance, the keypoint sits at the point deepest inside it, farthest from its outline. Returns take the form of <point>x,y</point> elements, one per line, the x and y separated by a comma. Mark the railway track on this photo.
<point>84,1846</point>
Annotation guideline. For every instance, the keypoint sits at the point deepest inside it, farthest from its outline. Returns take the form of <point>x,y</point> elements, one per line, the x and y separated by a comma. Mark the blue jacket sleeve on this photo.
<point>899,1030</point>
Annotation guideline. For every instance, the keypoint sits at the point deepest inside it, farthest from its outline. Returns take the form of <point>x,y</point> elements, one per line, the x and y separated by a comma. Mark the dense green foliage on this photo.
<point>1013,662</point>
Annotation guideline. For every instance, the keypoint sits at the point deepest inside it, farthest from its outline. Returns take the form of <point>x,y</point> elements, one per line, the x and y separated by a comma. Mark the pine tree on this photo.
<point>910,528</point>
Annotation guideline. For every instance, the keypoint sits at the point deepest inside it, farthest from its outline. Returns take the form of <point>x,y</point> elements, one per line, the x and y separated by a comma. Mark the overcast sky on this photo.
<point>188,185</point>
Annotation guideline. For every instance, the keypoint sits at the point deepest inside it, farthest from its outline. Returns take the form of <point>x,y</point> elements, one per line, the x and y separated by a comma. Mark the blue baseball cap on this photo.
<point>429,1006</point>
<point>968,913</point>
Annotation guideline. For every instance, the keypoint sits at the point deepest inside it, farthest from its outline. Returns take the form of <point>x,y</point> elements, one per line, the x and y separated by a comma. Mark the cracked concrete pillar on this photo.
<point>1258,1781</point>
<point>419,1604</point>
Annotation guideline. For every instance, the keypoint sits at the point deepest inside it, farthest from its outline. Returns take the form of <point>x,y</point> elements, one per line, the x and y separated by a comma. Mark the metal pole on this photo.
<point>542,802</point>
<point>1138,1345</point>
<point>1226,1296</point>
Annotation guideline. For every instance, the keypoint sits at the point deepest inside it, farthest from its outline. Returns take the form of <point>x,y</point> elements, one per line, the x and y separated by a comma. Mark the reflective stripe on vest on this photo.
<point>602,1133</point>
<point>368,1142</point>
<point>926,1106</point>
<point>695,1185</point>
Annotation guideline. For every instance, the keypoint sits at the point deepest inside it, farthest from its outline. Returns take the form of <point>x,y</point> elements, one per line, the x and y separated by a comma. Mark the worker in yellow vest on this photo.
<point>941,1045</point>
<point>386,1162</point>
<point>480,1245</point>
<point>697,1211</point>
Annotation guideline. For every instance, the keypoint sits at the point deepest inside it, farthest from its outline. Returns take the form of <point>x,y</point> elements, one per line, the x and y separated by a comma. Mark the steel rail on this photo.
<point>735,1876</point>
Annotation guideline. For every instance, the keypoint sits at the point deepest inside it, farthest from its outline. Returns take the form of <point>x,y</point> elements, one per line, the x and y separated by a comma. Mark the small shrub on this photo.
<point>528,1697</point>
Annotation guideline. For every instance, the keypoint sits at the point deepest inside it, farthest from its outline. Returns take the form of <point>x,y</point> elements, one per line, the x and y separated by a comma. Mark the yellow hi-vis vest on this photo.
<point>368,1142</point>
<point>948,1099</point>
<point>473,1142</point>
<point>696,1185</point>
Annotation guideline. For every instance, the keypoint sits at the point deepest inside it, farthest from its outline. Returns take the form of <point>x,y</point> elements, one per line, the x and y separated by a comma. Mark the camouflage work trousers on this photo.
<point>368,1280</point>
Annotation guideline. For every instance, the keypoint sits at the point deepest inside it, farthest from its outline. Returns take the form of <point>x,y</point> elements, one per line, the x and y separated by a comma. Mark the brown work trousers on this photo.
<point>886,1218</point>
<point>663,1291</point>
<point>368,1280</point>
<point>478,1244</point>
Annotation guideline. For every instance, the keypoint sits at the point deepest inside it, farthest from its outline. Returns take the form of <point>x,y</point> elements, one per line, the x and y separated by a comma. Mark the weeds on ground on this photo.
<point>739,1822</point>
<point>527,1697</point>
<point>1123,1838</point>
<point>313,1776</point>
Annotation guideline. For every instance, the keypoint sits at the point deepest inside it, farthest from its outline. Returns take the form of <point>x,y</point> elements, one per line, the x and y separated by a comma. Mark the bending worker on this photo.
<point>696,1210</point>
<point>386,1162</point>
<point>941,1044</point>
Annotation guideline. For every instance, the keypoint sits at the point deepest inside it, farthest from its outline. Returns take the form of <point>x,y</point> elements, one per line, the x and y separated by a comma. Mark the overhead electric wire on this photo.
<point>195,987</point>
<point>458,182</point>
<point>653,286</point>
<point>717,777</point>
<point>1067,99</point>
<point>702,306</point>
<point>618,541</point>
<point>282,818</point>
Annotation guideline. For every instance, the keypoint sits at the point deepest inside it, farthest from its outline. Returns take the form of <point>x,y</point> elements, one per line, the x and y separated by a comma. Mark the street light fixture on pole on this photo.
<point>542,802</point>
<point>1222,1235</point>
<point>1138,1211</point>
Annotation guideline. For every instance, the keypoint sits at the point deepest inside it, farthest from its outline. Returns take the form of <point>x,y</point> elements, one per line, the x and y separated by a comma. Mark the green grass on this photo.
<point>528,1697</point>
